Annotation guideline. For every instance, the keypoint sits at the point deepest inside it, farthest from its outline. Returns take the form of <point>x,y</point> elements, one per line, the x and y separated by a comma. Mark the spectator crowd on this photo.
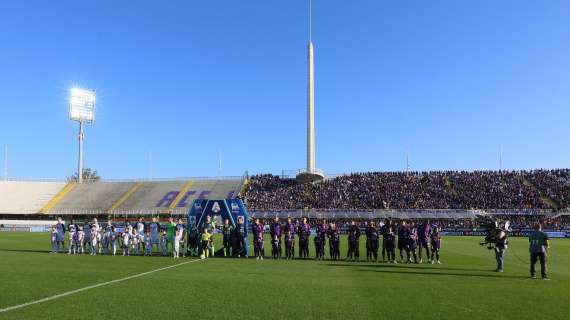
<point>537,189</point>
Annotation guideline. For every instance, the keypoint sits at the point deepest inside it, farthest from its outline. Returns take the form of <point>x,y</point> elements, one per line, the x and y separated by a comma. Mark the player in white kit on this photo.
<point>177,239</point>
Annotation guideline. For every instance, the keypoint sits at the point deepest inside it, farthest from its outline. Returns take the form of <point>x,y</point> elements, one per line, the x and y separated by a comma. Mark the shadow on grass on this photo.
<point>405,266</point>
<point>418,271</point>
<point>27,250</point>
<point>86,253</point>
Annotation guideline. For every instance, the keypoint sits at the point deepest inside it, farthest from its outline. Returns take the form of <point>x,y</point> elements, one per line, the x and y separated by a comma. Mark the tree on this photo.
<point>88,176</point>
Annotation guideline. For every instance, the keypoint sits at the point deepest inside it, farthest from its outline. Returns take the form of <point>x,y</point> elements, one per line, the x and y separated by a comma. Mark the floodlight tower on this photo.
<point>82,110</point>
<point>311,173</point>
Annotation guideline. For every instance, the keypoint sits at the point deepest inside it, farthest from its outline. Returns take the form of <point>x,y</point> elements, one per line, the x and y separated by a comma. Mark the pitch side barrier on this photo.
<point>369,214</point>
<point>402,213</point>
<point>480,232</point>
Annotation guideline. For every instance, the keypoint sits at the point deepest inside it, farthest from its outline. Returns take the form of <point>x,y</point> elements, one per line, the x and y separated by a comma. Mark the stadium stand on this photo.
<point>554,183</point>
<point>142,197</point>
<point>110,197</point>
<point>414,190</point>
<point>91,196</point>
<point>26,197</point>
<point>369,194</point>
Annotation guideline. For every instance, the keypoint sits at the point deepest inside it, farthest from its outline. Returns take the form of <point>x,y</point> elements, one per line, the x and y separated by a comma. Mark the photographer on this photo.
<point>538,248</point>
<point>501,243</point>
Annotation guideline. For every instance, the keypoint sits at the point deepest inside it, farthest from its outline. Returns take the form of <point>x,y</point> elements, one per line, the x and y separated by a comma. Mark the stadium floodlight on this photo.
<point>82,110</point>
<point>82,105</point>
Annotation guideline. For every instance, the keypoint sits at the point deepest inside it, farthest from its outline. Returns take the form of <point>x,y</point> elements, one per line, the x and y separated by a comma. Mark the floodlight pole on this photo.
<point>6,163</point>
<point>80,161</point>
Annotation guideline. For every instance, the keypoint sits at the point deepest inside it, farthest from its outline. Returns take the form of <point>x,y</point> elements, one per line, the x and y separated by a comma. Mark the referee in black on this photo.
<point>539,245</point>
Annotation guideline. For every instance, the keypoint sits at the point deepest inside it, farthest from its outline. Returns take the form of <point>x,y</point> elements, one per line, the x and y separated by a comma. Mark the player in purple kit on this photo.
<point>275,247</point>
<point>290,227</point>
<point>289,245</point>
<point>275,230</point>
<point>412,244</point>
<point>424,233</point>
<point>322,230</point>
<point>353,242</point>
<point>304,232</point>
<point>435,239</point>
<point>257,230</point>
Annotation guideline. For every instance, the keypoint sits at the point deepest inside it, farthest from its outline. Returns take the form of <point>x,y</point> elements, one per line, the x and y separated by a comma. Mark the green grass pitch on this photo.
<point>463,287</point>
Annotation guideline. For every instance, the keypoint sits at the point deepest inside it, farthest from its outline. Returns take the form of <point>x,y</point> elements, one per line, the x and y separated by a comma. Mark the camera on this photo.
<point>493,231</point>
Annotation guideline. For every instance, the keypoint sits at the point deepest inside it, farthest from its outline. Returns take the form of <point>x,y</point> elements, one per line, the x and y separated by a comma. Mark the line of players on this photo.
<point>141,238</point>
<point>135,239</point>
<point>412,240</point>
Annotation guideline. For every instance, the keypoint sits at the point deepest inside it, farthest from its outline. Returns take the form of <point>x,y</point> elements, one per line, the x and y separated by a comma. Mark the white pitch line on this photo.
<point>94,286</point>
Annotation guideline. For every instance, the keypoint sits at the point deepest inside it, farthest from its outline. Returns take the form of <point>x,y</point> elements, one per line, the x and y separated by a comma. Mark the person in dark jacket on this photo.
<point>501,245</point>
<point>372,241</point>
<point>304,231</point>
<point>353,242</point>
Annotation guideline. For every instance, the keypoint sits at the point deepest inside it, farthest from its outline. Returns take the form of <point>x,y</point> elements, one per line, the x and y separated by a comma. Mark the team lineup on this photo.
<point>411,240</point>
<point>174,239</point>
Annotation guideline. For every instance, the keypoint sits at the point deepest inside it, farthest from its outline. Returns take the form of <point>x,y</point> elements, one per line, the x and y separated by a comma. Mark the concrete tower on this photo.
<point>311,173</point>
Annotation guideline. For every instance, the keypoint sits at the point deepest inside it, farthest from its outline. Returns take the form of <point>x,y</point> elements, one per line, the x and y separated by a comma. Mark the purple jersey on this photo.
<point>334,236</point>
<point>435,238</point>
<point>322,230</point>
<point>424,231</point>
<point>403,236</point>
<point>372,233</point>
<point>276,230</point>
<point>413,238</point>
<point>257,230</point>
<point>290,227</point>
<point>304,230</point>
<point>289,240</point>
<point>353,233</point>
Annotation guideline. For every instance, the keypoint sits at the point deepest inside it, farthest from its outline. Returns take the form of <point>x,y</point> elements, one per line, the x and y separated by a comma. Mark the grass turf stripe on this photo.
<point>61,295</point>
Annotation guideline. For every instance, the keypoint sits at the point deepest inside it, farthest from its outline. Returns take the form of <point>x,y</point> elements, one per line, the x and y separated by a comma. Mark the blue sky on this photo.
<point>447,82</point>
